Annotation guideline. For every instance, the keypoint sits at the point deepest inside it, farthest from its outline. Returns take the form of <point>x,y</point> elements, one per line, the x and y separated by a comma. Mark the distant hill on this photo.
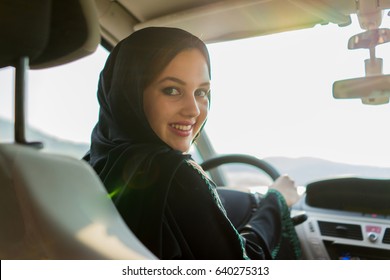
<point>302,170</point>
<point>51,144</point>
<point>307,169</point>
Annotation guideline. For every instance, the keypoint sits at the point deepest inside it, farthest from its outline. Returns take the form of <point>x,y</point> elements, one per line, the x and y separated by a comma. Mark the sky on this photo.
<point>285,81</point>
<point>294,113</point>
<point>271,96</point>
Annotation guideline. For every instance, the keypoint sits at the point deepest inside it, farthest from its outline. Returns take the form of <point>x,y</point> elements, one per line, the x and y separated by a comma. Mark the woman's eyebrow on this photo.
<point>173,79</point>
<point>177,80</point>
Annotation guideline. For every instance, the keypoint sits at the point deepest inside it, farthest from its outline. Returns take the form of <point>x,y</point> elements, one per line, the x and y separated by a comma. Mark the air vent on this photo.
<point>386,236</point>
<point>340,230</point>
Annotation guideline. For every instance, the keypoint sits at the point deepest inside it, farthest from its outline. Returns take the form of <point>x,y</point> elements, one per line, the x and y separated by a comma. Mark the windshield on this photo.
<point>271,98</point>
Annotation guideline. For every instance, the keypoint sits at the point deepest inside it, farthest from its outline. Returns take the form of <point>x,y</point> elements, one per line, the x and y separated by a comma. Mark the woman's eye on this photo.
<point>202,92</point>
<point>171,91</point>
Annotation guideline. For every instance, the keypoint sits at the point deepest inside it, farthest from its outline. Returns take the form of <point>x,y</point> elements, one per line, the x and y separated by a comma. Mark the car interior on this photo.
<point>54,206</point>
<point>45,213</point>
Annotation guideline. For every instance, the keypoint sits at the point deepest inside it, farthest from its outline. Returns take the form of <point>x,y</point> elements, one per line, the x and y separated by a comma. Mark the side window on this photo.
<point>61,104</point>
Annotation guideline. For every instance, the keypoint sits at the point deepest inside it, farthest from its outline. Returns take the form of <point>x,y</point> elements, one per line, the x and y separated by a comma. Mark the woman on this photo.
<point>154,95</point>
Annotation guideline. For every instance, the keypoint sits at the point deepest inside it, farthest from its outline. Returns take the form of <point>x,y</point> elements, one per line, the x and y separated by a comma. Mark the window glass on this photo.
<point>272,98</point>
<point>61,104</point>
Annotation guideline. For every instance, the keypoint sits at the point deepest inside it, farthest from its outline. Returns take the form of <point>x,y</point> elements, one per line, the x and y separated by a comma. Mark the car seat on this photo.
<point>51,206</point>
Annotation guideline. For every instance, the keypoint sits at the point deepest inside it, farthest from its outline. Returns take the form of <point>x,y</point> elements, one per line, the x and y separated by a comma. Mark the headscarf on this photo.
<point>135,165</point>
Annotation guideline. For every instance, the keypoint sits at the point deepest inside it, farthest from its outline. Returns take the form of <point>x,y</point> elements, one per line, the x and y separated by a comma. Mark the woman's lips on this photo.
<point>182,130</point>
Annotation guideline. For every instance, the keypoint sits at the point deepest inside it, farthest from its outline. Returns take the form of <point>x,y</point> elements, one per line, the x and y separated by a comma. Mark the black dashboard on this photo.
<point>348,218</point>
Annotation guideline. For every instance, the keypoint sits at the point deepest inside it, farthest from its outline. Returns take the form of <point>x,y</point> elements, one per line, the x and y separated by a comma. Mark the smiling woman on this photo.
<point>154,98</point>
<point>177,103</point>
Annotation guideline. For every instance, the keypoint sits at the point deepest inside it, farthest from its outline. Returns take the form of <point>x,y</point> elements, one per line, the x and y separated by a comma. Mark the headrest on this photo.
<point>49,32</point>
<point>24,29</point>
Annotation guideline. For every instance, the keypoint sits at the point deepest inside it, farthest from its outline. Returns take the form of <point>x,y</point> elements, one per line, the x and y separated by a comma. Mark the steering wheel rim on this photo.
<point>241,158</point>
<point>248,207</point>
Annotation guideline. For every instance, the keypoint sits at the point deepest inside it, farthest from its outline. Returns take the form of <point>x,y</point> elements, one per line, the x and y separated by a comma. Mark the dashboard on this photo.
<point>348,218</point>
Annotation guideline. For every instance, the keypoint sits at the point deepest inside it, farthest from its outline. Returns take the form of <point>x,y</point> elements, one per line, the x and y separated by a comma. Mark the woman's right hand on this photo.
<point>286,186</point>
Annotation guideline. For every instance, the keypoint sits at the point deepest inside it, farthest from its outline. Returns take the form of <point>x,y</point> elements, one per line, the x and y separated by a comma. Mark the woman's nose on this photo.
<point>191,106</point>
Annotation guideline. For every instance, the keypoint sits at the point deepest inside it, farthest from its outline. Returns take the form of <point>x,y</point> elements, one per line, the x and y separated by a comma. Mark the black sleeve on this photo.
<point>265,226</point>
<point>204,227</point>
<point>273,216</point>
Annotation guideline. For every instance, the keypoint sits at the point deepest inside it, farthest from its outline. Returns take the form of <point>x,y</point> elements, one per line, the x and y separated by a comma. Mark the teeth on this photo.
<point>181,127</point>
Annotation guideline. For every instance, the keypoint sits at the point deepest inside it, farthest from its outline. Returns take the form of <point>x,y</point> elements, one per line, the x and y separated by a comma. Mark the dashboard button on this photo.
<point>373,236</point>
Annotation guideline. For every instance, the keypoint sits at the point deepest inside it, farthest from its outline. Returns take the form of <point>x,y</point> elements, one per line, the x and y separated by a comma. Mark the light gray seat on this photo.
<point>51,206</point>
<point>55,207</point>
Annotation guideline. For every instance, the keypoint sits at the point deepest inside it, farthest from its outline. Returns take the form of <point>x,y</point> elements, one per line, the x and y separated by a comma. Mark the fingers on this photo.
<point>283,181</point>
<point>286,186</point>
<point>287,178</point>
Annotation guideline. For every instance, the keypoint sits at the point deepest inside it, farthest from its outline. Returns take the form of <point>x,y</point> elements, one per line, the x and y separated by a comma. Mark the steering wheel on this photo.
<point>238,158</point>
<point>240,205</point>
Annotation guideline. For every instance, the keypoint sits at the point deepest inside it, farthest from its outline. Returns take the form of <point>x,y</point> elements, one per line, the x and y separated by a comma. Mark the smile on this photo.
<point>182,127</point>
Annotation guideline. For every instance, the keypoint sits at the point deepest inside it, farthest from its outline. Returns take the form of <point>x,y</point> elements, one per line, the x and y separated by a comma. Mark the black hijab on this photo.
<point>135,165</point>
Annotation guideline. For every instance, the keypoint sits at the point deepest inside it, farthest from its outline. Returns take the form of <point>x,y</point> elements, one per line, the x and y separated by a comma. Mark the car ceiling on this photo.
<point>222,20</point>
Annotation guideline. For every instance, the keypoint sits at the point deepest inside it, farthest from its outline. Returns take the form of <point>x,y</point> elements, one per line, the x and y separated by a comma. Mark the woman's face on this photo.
<point>176,103</point>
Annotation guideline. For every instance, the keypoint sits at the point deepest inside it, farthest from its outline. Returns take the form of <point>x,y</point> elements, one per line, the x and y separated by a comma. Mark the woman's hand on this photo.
<point>286,186</point>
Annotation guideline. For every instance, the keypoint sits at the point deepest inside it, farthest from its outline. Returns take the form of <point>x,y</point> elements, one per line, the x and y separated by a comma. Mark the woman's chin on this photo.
<point>184,148</point>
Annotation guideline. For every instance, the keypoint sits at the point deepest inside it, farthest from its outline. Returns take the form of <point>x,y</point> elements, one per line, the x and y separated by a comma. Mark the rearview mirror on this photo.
<point>369,39</point>
<point>371,89</point>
